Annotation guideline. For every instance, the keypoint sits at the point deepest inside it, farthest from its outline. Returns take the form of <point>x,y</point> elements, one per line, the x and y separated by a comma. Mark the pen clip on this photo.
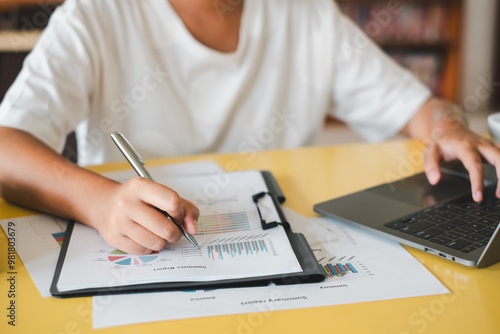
<point>137,155</point>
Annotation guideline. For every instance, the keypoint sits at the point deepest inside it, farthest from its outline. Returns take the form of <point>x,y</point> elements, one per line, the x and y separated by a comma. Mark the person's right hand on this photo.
<point>128,220</point>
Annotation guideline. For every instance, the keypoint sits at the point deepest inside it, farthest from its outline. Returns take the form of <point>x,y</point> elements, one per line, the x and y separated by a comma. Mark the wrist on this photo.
<point>449,115</point>
<point>436,118</point>
<point>94,199</point>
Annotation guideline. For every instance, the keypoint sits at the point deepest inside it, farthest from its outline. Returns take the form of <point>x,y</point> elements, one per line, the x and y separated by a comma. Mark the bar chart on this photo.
<point>237,250</point>
<point>224,222</point>
<point>339,269</point>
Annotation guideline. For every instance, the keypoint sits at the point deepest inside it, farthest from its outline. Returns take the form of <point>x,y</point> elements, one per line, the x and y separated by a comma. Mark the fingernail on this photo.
<point>433,177</point>
<point>478,196</point>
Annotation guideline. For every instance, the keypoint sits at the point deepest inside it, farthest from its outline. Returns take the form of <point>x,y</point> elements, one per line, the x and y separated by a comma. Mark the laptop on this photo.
<point>441,219</point>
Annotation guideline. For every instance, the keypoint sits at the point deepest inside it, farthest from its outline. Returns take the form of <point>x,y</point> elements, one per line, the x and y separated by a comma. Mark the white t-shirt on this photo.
<point>132,66</point>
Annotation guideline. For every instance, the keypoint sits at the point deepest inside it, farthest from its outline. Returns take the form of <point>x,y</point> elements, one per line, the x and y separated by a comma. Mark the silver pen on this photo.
<point>138,164</point>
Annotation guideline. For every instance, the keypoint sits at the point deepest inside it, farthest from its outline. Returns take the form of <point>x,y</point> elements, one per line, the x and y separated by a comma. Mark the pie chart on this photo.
<point>125,259</point>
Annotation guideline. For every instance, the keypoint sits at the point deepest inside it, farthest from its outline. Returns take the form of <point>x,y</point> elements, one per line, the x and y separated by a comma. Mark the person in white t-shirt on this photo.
<point>184,77</point>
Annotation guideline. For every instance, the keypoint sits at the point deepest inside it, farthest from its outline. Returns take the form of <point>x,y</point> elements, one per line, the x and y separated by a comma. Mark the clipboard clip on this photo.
<point>267,225</point>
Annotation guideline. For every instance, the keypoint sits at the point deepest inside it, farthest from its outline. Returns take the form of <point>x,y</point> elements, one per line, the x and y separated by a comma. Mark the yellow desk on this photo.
<point>307,176</point>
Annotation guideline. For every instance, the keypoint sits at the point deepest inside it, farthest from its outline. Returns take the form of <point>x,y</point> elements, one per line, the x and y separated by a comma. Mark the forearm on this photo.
<point>37,177</point>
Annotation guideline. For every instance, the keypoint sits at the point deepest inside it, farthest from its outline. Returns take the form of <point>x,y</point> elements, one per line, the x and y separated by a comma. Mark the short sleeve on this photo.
<point>51,94</point>
<point>371,93</point>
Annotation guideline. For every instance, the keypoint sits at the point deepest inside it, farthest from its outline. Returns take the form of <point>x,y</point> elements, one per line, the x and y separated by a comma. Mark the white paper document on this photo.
<point>233,243</point>
<point>38,242</point>
<point>362,267</point>
<point>231,256</point>
<point>39,237</point>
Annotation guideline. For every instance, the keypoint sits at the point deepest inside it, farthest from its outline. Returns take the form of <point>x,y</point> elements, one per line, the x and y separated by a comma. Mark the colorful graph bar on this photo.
<point>236,249</point>
<point>224,222</point>
<point>339,270</point>
<point>59,237</point>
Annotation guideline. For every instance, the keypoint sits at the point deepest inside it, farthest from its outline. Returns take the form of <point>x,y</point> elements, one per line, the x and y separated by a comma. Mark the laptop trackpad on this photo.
<point>367,208</point>
<point>417,191</point>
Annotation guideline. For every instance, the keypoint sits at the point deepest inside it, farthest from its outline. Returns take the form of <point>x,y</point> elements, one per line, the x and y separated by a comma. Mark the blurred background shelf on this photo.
<point>14,41</point>
<point>422,35</point>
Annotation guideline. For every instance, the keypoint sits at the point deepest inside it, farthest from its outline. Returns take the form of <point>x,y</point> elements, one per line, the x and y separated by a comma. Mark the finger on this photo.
<point>492,155</point>
<point>127,245</point>
<point>472,162</point>
<point>163,198</point>
<point>144,237</point>
<point>155,222</point>
<point>432,156</point>
<point>191,215</point>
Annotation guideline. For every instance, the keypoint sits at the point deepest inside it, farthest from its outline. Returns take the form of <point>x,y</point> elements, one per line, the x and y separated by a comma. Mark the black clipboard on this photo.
<point>311,272</point>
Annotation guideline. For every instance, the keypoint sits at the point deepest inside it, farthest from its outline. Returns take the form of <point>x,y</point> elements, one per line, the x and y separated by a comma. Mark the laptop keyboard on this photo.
<point>461,224</point>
